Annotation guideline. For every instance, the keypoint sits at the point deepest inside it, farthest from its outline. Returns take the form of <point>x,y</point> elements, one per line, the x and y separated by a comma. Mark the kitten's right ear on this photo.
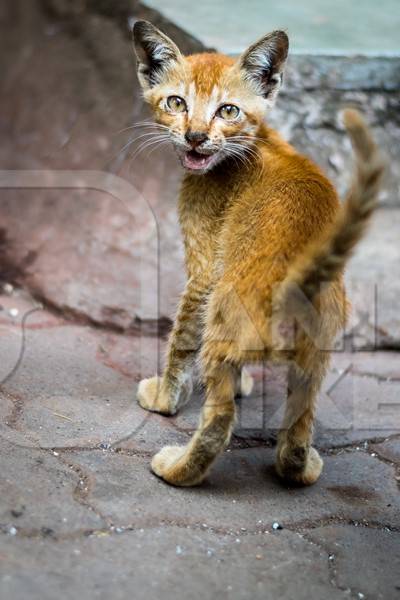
<point>155,53</point>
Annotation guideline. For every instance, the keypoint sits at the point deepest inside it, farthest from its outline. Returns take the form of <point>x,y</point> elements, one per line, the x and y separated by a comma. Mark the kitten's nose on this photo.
<point>195,137</point>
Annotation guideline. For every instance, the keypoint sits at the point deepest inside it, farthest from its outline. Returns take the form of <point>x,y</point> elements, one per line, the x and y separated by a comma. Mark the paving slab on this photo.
<point>41,494</point>
<point>166,562</point>
<point>389,450</point>
<point>242,491</point>
<point>68,385</point>
<point>80,508</point>
<point>358,557</point>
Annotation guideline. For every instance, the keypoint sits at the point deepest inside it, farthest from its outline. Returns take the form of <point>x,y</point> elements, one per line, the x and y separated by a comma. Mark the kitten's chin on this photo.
<point>195,162</point>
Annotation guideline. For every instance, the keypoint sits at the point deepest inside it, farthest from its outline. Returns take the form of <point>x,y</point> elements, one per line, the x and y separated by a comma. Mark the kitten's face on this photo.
<point>210,105</point>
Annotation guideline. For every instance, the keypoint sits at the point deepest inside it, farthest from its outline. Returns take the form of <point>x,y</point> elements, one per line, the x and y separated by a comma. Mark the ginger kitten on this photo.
<point>266,241</point>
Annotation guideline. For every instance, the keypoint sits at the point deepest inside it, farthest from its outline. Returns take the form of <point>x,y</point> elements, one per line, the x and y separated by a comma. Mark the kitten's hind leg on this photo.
<point>297,461</point>
<point>188,465</point>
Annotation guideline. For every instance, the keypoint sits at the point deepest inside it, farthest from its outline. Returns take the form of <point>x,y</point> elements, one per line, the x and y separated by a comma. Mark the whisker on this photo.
<point>249,138</point>
<point>148,134</point>
<point>240,149</point>
<point>162,144</point>
<point>244,152</point>
<point>148,143</point>
<point>236,151</point>
<point>253,151</point>
<point>143,124</point>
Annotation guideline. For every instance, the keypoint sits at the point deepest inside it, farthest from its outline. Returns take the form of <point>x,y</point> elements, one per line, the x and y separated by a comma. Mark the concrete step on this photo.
<point>315,26</point>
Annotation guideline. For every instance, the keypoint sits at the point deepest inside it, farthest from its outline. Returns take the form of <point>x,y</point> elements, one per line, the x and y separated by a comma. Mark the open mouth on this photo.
<point>194,160</point>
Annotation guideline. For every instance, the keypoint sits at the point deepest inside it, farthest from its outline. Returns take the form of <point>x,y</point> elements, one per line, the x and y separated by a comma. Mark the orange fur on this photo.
<point>263,229</point>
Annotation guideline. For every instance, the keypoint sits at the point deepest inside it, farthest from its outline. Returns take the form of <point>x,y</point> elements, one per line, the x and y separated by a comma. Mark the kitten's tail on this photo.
<point>324,260</point>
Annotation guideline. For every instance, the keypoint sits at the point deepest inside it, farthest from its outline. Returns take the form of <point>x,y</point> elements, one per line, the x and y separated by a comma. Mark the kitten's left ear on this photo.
<point>263,63</point>
<point>155,53</point>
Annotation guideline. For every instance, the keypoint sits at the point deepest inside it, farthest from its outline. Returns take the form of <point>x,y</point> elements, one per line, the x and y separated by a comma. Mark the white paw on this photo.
<point>149,395</point>
<point>166,459</point>
<point>153,396</point>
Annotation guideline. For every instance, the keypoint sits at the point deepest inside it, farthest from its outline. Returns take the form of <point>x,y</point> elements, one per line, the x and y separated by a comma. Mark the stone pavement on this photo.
<point>82,516</point>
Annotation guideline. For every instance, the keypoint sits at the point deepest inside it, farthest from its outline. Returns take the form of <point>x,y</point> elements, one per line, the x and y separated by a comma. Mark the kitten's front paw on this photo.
<point>153,396</point>
<point>174,465</point>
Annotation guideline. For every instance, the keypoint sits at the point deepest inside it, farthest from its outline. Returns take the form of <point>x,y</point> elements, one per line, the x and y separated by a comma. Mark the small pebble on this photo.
<point>360,595</point>
<point>105,445</point>
<point>12,530</point>
<point>179,550</point>
<point>258,556</point>
<point>8,289</point>
<point>331,557</point>
<point>276,526</point>
<point>13,312</point>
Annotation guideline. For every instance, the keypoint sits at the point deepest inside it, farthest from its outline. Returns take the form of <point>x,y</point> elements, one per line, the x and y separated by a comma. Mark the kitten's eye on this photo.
<point>176,103</point>
<point>229,112</point>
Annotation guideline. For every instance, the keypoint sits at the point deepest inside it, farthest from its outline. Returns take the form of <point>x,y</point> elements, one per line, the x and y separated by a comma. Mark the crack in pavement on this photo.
<point>137,328</point>
<point>364,447</point>
<point>359,445</point>
<point>308,524</point>
<point>376,376</point>
<point>332,568</point>
<point>152,522</point>
<point>83,488</point>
